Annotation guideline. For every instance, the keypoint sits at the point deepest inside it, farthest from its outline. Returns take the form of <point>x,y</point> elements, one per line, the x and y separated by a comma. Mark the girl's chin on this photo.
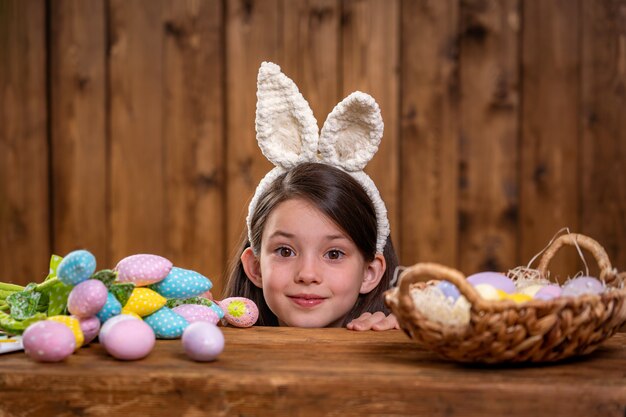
<point>308,323</point>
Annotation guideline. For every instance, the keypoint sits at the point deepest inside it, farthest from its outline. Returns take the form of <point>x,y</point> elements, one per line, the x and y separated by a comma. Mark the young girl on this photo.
<point>317,251</point>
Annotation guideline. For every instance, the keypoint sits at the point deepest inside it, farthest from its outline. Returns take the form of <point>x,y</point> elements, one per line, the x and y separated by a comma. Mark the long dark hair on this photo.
<point>340,197</point>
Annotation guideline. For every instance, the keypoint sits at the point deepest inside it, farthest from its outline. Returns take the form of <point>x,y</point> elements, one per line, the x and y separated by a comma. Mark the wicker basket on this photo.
<point>503,331</point>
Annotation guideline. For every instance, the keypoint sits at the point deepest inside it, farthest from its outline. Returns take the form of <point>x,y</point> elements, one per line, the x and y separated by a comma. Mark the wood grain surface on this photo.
<point>310,372</point>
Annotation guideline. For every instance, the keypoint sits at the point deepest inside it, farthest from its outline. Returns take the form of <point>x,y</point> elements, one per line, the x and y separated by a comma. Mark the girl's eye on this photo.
<point>334,254</point>
<point>285,252</point>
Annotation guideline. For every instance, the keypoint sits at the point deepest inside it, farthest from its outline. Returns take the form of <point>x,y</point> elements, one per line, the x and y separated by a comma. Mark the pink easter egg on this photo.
<point>195,312</point>
<point>130,340</point>
<point>87,298</point>
<point>48,341</point>
<point>495,279</point>
<point>548,292</point>
<point>208,295</point>
<point>203,341</point>
<point>90,327</point>
<point>143,269</point>
<point>107,325</point>
<point>239,311</point>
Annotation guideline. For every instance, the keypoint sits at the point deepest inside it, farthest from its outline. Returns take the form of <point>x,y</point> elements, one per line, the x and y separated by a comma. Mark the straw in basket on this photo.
<point>503,331</point>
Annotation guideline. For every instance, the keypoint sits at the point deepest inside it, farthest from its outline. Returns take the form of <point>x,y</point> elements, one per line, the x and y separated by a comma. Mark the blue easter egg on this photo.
<point>182,283</point>
<point>217,309</point>
<point>76,267</point>
<point>449,290</point>
<point>166,324</point>
<point>111,308</point>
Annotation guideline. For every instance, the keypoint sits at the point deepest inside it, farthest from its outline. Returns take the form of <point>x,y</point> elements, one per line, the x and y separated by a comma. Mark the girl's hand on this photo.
<point>376,321</point>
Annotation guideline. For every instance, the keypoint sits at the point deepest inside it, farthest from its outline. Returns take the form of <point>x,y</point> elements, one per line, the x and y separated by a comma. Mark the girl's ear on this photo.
<point>373,274</point>
<point>252,267</point>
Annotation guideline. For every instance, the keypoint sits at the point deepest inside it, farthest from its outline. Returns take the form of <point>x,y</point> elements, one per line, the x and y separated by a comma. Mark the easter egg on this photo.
<point>240,311</point>
<point>548,292</point>
<point>129,340</point>
<point>531,289</point>
<point>131,313</point>
<point>207,294</point>
<point>74,325</point>
<point>218,310</point>
<point>518,298</point>
<point>143,269</point>
<point>144,301</point>
<point>449,290</point>
<point>582,285</point>
<point>166,324</point>
<point>48,341</point>
<point>203,341</point>
<point>90,327</point>
<point>111,308</point>
<point>107,325</point>
<point>488,292</point>
<point>495,279</point>
<point>182,283</point>
<point>195,312</point>
<point>76,267</point>
<point>87,298</point>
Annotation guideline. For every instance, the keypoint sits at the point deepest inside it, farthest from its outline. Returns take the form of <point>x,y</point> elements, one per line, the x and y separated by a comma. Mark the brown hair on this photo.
<point>340,197</point>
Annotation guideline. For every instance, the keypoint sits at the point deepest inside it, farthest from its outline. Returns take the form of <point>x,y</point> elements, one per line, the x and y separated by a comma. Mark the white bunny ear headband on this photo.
<point>287,133</point>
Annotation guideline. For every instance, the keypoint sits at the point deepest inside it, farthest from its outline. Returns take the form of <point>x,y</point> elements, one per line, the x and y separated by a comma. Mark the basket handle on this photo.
<point>420,272</point>
<point>607,273</point>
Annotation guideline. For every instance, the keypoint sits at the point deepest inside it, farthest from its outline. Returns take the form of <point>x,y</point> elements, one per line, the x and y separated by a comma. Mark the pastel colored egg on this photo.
<point>488,292</point>
<point>207,294</point>
<point>111,308</point>
<point>531,289</point>
<point>495,279</point>
<point>48,341</point>
<point>203,341</point>
<point>548,292</point>
<point>195,312</point>
<point>182,283</point>
<point>518,298</point>
<point>449,290</point>
<point>107,325</point>
<point>218,310</point>
<point>240,311</point>
<point>143,269</point>
<point>144,301</point>
<point>166,324</point>
<point>76,267</point>
<point>131,313</point>
<point>129,340</point>
<point>582,285</point>
<point>87,298</point>
<point>74,325</point>
<point>90,327</point>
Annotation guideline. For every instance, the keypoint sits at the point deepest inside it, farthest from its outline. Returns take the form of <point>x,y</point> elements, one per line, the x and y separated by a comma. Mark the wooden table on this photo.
<point>302,372</point>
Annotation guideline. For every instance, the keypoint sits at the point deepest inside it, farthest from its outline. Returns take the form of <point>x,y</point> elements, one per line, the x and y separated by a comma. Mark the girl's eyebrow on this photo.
<point>281,233</point>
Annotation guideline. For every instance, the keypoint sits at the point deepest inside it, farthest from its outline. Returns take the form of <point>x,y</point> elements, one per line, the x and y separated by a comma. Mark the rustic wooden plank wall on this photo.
<point>128,126</point>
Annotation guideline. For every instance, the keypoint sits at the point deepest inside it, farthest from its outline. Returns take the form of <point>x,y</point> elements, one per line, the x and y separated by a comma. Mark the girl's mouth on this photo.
<point>307,300</point>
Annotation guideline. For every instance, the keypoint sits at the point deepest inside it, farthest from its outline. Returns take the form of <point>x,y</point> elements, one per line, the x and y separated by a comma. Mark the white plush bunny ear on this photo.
<point>285,126</point>
<point>352,132</point>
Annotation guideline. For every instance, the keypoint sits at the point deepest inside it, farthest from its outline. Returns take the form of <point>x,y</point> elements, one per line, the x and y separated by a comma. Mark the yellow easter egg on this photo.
<point>520,298</point>
<point>74,326</point>
<point>131,313</point>
<point>144,301</point>
<point>488,292</point>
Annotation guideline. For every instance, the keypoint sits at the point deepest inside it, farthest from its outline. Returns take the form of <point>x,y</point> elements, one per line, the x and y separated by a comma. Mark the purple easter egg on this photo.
<point>203,341</point>
<point>48,341</point>
<point>143,269</point>
<point>582,285</point>
<point>130,340</point>
<point>195,312</point>
<point>87,298</point>
<point>548,292</point>
<point>90,327</point>
<point>449,290</point>
<point>495,279</point>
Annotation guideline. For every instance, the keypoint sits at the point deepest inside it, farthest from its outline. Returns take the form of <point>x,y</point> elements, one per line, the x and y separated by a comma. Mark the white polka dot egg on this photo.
<point>48,341</point>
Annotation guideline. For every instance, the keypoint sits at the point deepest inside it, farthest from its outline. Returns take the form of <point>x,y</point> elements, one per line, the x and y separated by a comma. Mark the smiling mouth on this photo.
<point>307,300</point>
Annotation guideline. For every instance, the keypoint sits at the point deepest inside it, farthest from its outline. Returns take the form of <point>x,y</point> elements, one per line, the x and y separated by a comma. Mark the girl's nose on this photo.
<point>308,273</point>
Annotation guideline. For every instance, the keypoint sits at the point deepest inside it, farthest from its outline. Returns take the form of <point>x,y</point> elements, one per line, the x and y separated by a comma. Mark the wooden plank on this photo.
<point>309,52</point>
<point>429,133</point>
<point>370,63</point>
<point>603,147</point>
<point>252,36</point>
<point>549,128</point>
<point>193,128</point>
<point>78,133</point>
<point>489,109</point>
<point>24,175</point>
<point>136,135</point>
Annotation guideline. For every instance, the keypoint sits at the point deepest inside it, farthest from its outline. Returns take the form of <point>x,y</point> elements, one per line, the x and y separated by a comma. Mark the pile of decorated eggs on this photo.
<point>444,303</point>
<point>131,323</point>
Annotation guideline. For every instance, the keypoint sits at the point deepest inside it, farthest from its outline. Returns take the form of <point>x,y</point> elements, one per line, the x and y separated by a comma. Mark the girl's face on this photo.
<point>310,271</point>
